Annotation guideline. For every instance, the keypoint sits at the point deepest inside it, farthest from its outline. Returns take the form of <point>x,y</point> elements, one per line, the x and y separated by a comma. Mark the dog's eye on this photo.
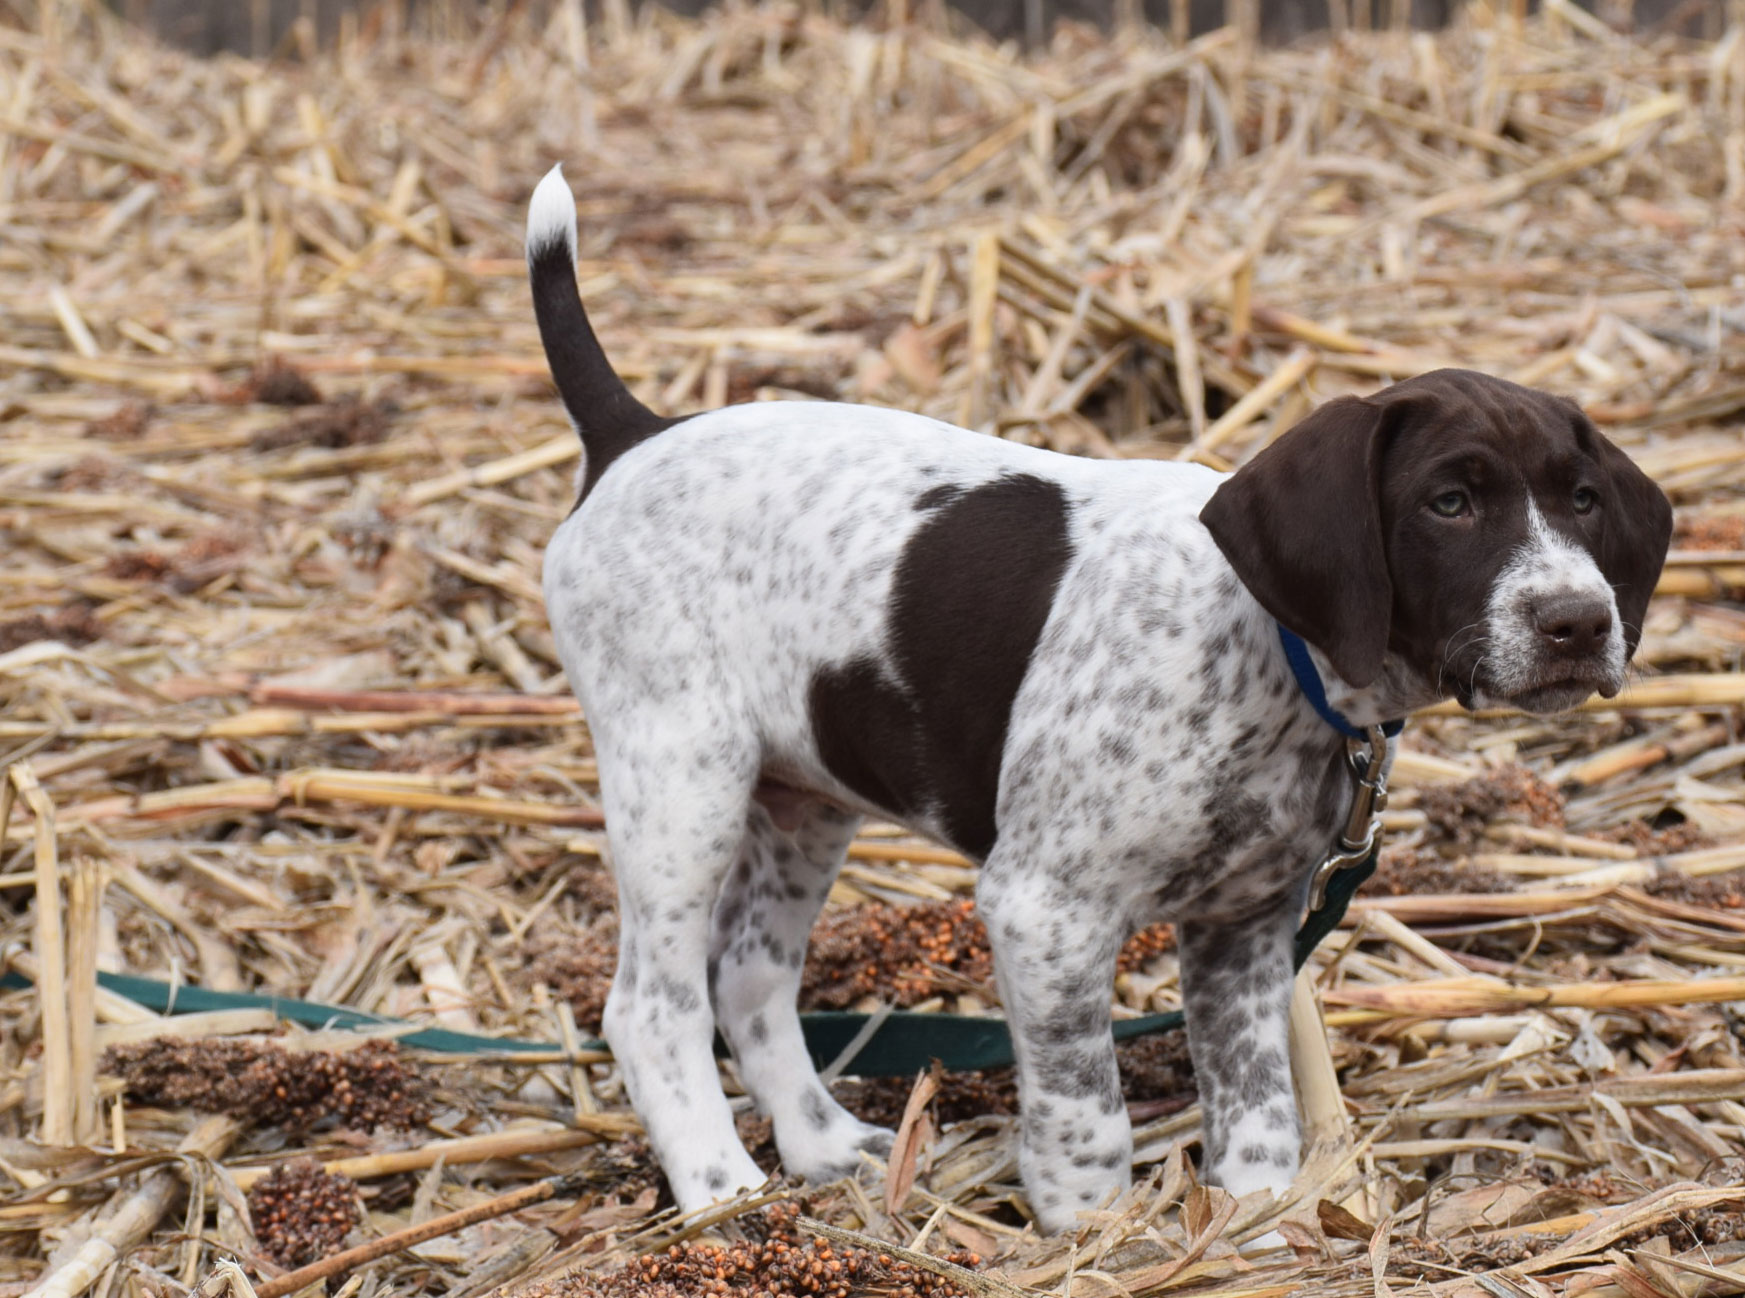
<point>1450,504</point>
<point>1584,500</point>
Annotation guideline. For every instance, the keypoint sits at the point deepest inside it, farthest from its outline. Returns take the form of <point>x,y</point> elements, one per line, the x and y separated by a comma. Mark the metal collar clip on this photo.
<point>1368,758</point>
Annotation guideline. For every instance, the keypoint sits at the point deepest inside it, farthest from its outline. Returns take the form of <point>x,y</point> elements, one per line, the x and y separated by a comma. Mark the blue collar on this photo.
<point>1309,681</point>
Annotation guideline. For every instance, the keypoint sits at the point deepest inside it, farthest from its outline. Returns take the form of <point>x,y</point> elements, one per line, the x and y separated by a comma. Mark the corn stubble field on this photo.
<point>281,711</point>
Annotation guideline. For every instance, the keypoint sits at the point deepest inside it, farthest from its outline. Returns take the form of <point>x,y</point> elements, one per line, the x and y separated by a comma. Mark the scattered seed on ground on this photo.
<point>900,955</point>
<point>1717,892</point>
<point>73,624</point>
<point>1709,532</point>
<point>345,422</point>
<point>302,1214</point>
<point>1649,841</point>
<point>1406,871</point>
<point>777,1259</point>
<point>366,1088</point>
<point>273,382</point>
<point>130,420</point>
<point>1460,813</point>
<point>201,559</point>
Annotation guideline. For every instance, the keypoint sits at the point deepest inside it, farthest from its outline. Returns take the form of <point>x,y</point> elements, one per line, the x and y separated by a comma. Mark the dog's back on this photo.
<point>782,548</point>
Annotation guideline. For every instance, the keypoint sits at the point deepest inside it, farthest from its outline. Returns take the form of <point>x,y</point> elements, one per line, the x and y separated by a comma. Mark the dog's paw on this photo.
<point>837,1152</point>
<point>717,1181</point>
<point>877,1140</point>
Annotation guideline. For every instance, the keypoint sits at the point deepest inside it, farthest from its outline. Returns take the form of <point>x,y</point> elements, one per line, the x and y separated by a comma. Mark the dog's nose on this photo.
<point>1572,626</point>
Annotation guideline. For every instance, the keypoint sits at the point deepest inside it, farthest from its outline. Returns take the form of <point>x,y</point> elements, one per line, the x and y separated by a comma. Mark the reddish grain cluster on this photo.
<point>345,422</point>
<point>1432,1259</point>
<point>1460,813</point>
<point>1718,892</point>
<point>1649,841</point>
<point>1144,947</point>
<point>205,557</point>
<point>72,624</point>
<point>580,969</point>
<point>368,1087</point>
<point>129,421</point>
<point>1709,532</point>
<point>881,1100</point>
<point>273,382</point>
<point>782,1264</point>
<point>302,1214</point>
<point>1409,871</point>
<point>903,955</point>
<point>900,955</point>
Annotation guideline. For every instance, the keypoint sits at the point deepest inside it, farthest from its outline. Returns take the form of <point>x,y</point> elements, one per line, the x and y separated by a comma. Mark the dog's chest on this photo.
<point>1159,728</point>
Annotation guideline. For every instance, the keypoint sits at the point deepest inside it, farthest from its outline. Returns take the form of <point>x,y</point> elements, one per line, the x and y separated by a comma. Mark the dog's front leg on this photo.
<point>1054,955</point>
<point>1236,989</point>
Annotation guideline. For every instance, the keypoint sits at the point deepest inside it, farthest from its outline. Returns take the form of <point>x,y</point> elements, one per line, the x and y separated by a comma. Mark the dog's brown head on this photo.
<point>1484,534</point>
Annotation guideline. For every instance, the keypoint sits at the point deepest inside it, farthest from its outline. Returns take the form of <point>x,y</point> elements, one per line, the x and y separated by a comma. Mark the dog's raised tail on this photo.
<point>609,419</point>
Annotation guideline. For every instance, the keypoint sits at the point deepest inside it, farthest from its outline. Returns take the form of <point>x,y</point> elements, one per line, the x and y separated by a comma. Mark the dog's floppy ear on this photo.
<point>1301,525</point>
<point>1637,530</point>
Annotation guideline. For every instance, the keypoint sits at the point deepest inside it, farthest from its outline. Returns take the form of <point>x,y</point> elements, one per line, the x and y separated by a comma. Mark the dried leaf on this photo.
<point>1338,1223</point>
<point>913,1132</point>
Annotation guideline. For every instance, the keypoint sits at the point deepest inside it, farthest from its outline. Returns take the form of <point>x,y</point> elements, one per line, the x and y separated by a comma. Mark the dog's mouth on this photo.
<point>1558,696</point>
<point>1499,665</point>
<point>1543,695</point>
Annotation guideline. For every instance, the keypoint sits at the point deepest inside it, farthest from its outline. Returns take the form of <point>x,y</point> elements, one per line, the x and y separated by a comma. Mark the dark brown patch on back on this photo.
<point>971,595</point>
<point>934,497</point>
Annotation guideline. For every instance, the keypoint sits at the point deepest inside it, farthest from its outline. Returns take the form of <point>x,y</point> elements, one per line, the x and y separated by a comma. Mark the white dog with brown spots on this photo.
<point>782,617</point>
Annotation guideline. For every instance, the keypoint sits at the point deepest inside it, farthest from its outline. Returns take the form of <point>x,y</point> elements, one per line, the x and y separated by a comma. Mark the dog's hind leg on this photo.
<point>675,812</point>
<point>762,920</point>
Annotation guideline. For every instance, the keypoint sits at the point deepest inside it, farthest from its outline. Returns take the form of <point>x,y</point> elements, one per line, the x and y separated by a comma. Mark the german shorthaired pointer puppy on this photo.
<point>782,617</point>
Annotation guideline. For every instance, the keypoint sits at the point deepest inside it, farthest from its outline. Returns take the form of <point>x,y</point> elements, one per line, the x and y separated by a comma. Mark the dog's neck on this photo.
<point>1395,693</point>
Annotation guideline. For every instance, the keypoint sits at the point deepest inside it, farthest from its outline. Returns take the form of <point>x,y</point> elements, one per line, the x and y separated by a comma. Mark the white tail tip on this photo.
<point>551,216</point>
